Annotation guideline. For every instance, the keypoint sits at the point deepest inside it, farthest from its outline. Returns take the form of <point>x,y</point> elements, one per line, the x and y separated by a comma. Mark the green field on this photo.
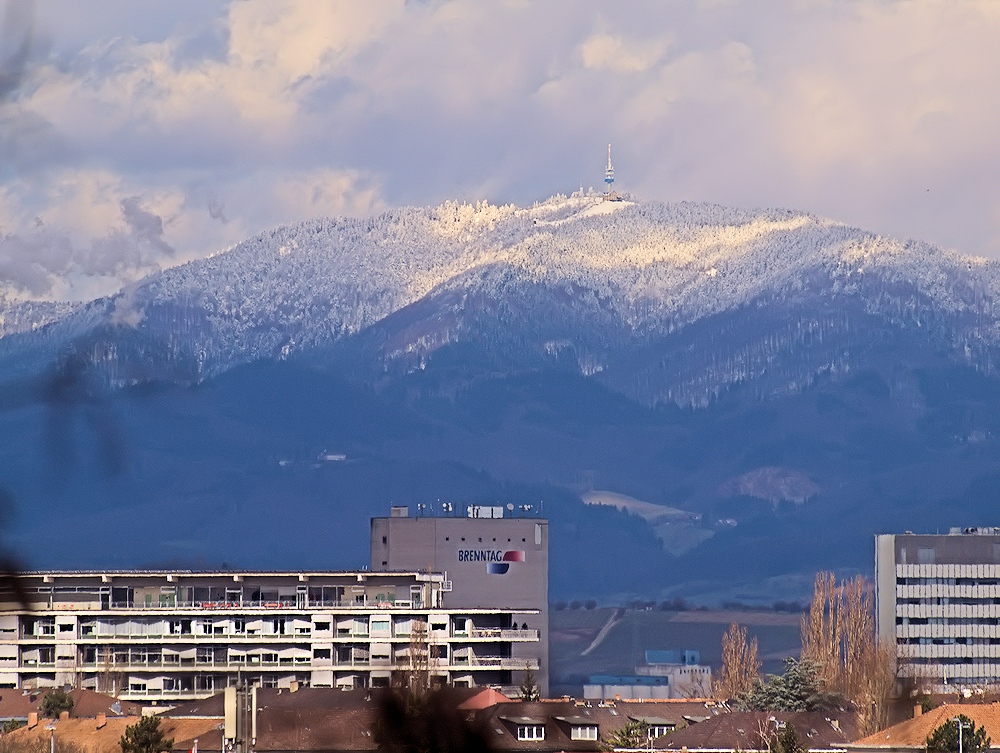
<point>573,630</point>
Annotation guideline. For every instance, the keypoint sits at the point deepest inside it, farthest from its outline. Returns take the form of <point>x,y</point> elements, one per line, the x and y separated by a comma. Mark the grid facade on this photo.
<point>938,600</point>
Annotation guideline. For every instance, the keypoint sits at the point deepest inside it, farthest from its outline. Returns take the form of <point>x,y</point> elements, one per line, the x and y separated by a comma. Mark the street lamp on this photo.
<point>961,726</point>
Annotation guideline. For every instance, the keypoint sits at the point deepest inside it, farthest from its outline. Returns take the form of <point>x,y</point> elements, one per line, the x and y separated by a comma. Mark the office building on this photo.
<point>938,600</point>
<point>496,555</point>
<point>171,635</point>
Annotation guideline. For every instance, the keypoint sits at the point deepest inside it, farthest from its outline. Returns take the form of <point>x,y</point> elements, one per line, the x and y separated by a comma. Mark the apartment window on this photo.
<point>321,653</point>
<point>583,732</point>
<point>322,626</point>
<point>239,625</point>
<point>531,732</point>
<point>659,730</point>
<point>65,628</point>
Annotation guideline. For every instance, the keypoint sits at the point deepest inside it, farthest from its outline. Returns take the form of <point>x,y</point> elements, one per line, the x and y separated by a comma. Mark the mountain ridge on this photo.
<point>641,270</point>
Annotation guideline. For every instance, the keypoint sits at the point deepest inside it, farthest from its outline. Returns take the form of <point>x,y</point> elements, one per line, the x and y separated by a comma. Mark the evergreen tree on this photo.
<point>944,739</point>
<point>145,736</point>
<point>55,702</point>
<point>796,690</point>
<point>786,742</point>
<point>633,735</point>
<point>529,687</point>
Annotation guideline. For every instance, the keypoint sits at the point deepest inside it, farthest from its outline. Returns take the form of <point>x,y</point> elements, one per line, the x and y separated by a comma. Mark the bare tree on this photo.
<point>415,678</point>
<point>838,637</point>
<point>740,664</point>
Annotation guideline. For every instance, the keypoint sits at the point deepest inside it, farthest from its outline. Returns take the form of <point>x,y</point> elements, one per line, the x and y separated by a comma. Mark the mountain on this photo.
<point>768,389</point>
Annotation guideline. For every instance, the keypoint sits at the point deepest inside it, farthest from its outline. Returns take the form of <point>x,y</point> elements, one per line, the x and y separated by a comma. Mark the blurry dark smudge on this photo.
<point>217,210</point>
<point>16,35</point>
<point>426,722</point>
<point>78,415</point>
<point>73,392</point>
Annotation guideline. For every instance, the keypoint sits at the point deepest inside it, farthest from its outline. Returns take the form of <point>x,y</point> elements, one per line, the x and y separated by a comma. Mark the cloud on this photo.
<point>148,139</point>
<point>609,51</point>
<point>16,33</point>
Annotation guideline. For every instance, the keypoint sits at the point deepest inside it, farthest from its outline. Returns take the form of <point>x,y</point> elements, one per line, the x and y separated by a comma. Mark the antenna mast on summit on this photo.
<point>609,178</point>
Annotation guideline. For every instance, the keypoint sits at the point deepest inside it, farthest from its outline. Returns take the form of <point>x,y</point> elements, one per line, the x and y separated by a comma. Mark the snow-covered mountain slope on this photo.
<point>570,274</point>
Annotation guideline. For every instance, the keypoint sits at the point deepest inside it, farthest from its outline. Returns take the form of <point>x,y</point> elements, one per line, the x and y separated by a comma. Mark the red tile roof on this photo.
<point>17,704</point>
<point>912,734</point>
<point>85,735</point>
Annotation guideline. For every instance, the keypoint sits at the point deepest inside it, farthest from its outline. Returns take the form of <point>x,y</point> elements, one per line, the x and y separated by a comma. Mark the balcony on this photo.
<point>493,662</point>
<point>275,604</point>
<point>502,634</point>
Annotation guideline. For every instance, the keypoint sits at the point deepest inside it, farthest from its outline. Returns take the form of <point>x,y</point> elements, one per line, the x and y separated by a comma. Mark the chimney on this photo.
<point>293,686</point>
<point>32,719</point>
<point>102,719</point>
<point>63,716</point>
<point>917,710</point>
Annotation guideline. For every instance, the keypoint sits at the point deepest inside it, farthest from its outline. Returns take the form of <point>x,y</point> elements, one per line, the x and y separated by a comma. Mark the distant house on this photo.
<point>102,734</point>
<point>911,735</point>
<point>18,705</point>
<point>754,730</point>
<point>582,725</point>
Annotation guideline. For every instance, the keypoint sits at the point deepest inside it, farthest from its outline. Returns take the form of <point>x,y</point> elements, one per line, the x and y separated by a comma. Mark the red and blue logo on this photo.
<point>501,568</point>
<point>497,562</point>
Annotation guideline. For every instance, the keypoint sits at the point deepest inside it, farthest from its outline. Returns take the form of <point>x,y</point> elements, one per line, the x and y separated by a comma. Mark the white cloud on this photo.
<point>611,52</point>
<point>223,118</point>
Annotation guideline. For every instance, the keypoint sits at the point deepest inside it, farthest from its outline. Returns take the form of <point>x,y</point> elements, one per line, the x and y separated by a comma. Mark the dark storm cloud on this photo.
<point>16,35</point>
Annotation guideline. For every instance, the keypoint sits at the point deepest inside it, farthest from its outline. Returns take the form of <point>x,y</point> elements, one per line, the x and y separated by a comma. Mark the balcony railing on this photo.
<point>504,634</point>
<point>402,662</point>
<point>267,604</point>
<point>256,636</point>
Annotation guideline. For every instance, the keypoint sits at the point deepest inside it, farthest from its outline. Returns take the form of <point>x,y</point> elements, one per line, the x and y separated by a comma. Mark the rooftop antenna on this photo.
<point>609,178</point>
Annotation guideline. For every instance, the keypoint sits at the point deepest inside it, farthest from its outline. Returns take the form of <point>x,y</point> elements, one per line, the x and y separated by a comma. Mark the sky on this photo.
<point>139,135</point>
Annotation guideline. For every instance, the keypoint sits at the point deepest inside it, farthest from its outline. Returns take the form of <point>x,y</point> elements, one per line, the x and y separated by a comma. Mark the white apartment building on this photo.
<point>938,600</point>
<point>165,636</point>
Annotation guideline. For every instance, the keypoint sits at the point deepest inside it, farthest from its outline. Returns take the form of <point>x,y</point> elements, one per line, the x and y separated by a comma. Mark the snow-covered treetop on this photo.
<point>650,262</point>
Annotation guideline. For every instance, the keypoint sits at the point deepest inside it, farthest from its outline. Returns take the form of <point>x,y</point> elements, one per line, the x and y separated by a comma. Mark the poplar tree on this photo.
<point>839,640</point>
<point>740,664</point>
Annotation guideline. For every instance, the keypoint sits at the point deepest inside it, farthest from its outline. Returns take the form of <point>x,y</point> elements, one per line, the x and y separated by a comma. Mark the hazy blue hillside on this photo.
<point>244,469</point>
<point>766,389</point>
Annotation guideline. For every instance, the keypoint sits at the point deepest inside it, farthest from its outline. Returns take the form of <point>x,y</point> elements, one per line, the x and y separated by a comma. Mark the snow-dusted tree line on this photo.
<point>653,268</point>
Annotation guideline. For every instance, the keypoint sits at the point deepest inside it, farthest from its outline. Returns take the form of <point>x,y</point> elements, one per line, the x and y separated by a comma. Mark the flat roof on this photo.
<point>423,575</point>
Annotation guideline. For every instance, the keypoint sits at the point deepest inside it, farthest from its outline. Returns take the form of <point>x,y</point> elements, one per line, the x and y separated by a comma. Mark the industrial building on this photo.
<point>171,635</point>
<point>938,601</point>
<point>497,555</point>
<point>665,675</point>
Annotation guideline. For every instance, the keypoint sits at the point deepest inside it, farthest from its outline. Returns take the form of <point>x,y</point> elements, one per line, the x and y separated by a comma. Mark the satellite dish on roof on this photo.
<point>510,506</point>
